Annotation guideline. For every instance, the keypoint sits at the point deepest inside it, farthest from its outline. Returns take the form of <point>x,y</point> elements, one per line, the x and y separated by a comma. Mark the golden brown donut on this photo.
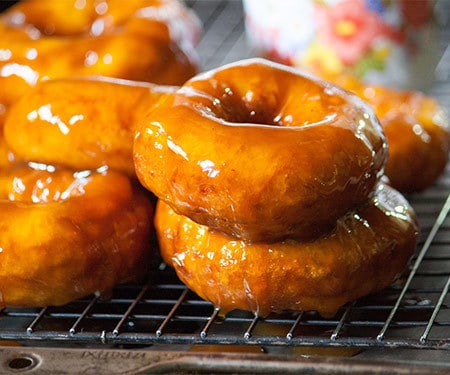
<point>260,151</point>
<point>64,234</point>
<point>80,123</point>
<point>142,40</point>
<point>367,250</point>
<point>417,132</point>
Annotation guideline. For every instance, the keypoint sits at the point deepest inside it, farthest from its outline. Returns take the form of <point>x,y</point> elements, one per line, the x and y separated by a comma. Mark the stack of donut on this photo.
<point>74,219</point>
<point>271,185</point>
<point>270,188</point>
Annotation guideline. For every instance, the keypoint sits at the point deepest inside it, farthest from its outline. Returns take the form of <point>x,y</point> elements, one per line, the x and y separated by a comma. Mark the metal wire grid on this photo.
<point>413,313</point>
<point>224,37</point>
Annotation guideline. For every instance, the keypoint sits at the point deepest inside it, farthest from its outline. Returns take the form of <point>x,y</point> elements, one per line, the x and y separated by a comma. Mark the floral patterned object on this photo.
<point>383,41</point>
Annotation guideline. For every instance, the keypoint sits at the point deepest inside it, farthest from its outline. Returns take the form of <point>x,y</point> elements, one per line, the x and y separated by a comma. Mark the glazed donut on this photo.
<point>261,152</point>
<point>142,40</point>
<point>416,128</point>
<point>320,275</point>
<point>417,132</point>
<point>80,123</point>
<point>65,235</point>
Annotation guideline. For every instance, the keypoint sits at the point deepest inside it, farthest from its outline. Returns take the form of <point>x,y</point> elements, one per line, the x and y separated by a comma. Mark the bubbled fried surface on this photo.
<point>368,249</point>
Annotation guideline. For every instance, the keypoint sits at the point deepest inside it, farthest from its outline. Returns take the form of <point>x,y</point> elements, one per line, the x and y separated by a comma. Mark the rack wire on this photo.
<point>413,313</point>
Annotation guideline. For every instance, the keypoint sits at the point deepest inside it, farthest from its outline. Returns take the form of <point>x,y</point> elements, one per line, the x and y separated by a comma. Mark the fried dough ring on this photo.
<point>80,123</point>
<point>366,251</point>
<point>261,152</point>
<point>417,132</point>
<point>65,235</point>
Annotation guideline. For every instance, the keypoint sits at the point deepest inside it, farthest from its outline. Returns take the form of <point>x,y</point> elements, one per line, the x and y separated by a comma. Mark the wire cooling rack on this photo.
<point>414,313</point>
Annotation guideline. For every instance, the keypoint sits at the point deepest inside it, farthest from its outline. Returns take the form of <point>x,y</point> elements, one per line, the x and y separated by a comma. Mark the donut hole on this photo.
<point>282,103</point>
<point>248,108</point>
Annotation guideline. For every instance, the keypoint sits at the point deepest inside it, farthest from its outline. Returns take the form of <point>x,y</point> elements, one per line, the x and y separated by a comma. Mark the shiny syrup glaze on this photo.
<point>81,123</point>
<point>68,234</point>
<point>319,275</point>
<point>261,152</point>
